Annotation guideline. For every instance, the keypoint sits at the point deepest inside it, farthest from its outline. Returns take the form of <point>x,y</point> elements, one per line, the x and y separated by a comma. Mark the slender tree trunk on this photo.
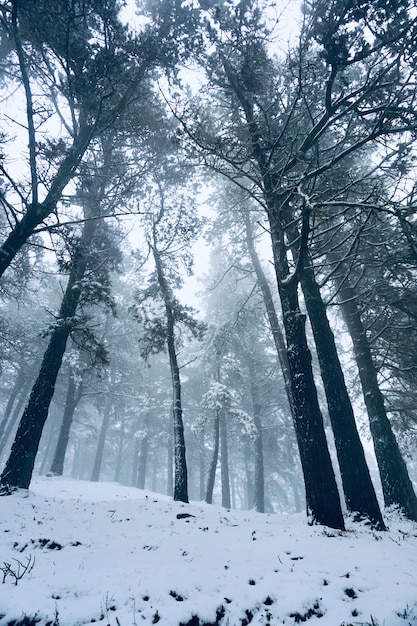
<point>259,478</point>
<point>396,484</point>
<point>73,397</point>
<point>16,390</point>
<point>180,464</point>
<point>322,496</point>
<point>37,212</point>
<point>143,455</point>
<point>136,448</point>
<point>359,491</point>
<point>212,473</point>
<point>19,467</point>
<point>274,324</point>
<point>224,461</point>
<point>170,460</point>
<point>250,483</point>
<point>98,460</point>
<point>15,415</point>
<point>202,465</point>
<point>119,459</point>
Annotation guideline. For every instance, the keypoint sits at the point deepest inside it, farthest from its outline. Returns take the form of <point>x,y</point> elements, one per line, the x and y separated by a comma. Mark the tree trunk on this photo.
<point>274,324</point>
<point>143,455</point>
<point>212,473</point>
<point>359,491</point>
<point>259,479</point>
<point>170,461</point>
<point>180,464</point>
<point>322,496</point>
<point>36,213</point>
<point>396,484</point>
<point>119,459</point>
<point>98,460</point>
<point>202,466</point>
<point>15,415</point>
<point>16,390</point>
<point>19,467</point>
<point>135,463</point>
<point>224,461</point>
<point>73,397</point>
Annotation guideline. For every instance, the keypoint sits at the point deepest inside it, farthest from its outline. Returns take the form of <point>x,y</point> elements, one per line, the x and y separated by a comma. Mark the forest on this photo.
<point>262,155</point>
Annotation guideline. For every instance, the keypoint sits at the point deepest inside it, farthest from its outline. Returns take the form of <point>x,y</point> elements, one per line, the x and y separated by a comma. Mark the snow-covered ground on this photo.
<point>123,557</point>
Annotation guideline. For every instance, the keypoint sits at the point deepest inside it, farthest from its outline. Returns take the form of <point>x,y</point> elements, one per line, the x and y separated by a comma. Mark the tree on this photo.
<point>19,467</point>
<point>286,127</point>
<point>171,229</point>
<point>88,70</point>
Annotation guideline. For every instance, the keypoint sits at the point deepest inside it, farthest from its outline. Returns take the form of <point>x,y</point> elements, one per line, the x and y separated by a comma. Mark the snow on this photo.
<point>127,560</point>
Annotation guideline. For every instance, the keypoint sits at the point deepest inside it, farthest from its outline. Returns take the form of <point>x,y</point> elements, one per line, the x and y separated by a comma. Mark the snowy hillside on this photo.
<point>123,557</point>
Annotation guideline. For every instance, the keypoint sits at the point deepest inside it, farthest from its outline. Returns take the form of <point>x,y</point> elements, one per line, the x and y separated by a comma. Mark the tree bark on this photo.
<point>213,465</point>
<point>358,489</point>
<point>119,459</point>
<point>180,463</point>
<point>98,459</point>
<point>74,392</point>
<point>9,425</point>
<point>224,461</point>
<point>143,455</point>
<point>19,467</point>
<point>271,312</point>
<point>396,484</point>
<point>259,477</point>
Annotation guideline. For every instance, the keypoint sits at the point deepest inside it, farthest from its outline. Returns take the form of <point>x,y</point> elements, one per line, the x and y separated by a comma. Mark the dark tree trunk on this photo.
<point>119,459</point>
<point>274,324</point>
<point>224,461</point>
<point>322,496</point>
<point>180,463</point>
<point>250,486</point>
<point>359,491</point>
<point>212,473</point>
<point>143,455</point>
<point>259,479</point>
<point>14,416</point>
<point>202,465</point>
<point>74,392</point>
<point>396,484</point>
<point>170,460</point>
<point>16,390</point>
<point>98,459</point>
<point>38,212</point>
<point>136,448</point>
<point>19,467</point>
